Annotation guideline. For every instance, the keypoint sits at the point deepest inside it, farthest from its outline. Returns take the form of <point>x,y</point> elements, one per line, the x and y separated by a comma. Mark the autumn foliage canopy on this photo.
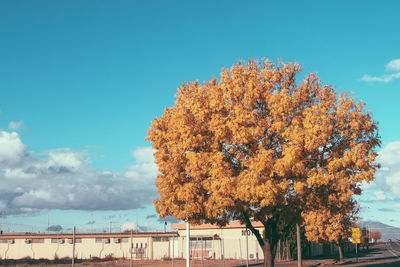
<point>376,235</point>
<point>256,145</point>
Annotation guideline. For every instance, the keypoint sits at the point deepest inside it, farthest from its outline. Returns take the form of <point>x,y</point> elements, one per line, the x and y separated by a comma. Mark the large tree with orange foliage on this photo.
<point>255,145</point>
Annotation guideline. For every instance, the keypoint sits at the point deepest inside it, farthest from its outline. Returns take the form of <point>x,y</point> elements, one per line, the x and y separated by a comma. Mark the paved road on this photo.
<point>385,255</point>
<point>394,249</point>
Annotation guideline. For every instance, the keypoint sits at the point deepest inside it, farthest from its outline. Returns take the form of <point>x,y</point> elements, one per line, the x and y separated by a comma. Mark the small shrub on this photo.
<point>166,258</point>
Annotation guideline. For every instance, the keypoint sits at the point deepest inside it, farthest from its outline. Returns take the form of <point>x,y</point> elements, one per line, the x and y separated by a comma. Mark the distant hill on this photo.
<point>387,231</point>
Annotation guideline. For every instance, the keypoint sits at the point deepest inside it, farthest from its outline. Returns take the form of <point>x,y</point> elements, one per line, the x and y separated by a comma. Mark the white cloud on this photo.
<point>142,171</point>
<point>385,78</point>
<point>145,171</point>
<point>17,173</point>
<point>387,178</point>
<point>16,125</point>
<point>65,179</point>
<point>378,195</point>
<point>368,186</point>
<point>12,150</point>
<point>65,158</point>
<point>129,226</point>
<point>41,194</point>
<point>396,206</point>
<point>143,154</point>
<point>393,65</point>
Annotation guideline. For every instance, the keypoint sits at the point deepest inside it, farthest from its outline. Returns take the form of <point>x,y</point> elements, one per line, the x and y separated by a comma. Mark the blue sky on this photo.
<point>81,81</point>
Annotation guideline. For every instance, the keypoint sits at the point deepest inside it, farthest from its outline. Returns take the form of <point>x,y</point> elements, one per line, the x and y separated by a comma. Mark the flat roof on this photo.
<point>86,235</point>
<point>234,224</point>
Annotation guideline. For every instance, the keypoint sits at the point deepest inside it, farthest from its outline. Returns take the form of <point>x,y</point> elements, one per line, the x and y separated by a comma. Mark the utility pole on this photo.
<point>130,263</point>
<point>48,223</point>
<point>111,225</point>
<point>247,247</point>
<point>173,251</point>
<point>202,252</point>
<point>73,247</point>
<point>223,253</point>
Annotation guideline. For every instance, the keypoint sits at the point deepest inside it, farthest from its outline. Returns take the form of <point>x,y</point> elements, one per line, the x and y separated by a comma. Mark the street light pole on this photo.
<point>187,244</point>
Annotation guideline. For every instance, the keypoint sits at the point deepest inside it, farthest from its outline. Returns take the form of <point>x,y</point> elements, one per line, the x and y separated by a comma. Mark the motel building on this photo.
<point>207,241</point>
<point>154,245</point>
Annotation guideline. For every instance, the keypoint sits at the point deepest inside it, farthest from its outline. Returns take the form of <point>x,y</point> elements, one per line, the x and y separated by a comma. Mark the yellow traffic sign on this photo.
<point>355,235</point>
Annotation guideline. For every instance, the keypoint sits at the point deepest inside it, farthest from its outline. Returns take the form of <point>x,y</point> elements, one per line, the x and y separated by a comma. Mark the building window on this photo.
<point>103,240</point>
<point>198,244</point>
<point>195,243</point>
<point>161,238</point>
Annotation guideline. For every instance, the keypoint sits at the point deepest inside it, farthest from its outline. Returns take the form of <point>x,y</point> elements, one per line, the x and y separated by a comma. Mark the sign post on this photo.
<point>356,238</point>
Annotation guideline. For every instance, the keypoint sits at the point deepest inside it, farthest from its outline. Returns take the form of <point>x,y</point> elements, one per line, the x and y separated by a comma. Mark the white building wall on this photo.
<point>85,248</point>
<point>230,242</point>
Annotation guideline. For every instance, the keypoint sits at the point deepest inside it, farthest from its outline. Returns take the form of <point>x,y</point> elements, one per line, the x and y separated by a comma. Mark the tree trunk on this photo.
<point>270,240</point>
<point>269,254</point>
<point>340,252</point>
<point>299,258</point>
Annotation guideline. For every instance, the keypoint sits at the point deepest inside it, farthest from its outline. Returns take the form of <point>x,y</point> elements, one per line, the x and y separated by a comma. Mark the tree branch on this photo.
<point>252,229</point>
